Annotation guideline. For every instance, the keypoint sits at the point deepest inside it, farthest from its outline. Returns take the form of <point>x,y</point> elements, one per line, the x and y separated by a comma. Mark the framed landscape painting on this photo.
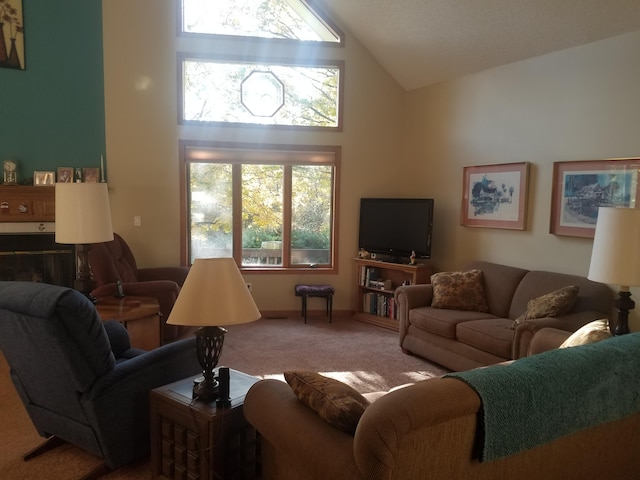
<point>581,187</point>
<point>495,196</point>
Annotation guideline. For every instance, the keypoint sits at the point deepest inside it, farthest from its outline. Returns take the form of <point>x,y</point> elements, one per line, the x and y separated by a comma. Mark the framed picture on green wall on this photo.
<point>11,35</point>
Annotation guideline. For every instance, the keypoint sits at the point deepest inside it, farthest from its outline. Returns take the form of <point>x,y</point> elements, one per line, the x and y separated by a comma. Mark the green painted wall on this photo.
<point>52,113</point>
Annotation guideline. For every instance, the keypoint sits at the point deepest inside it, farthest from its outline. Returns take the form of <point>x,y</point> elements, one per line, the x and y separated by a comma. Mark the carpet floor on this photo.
<point>363,356</point>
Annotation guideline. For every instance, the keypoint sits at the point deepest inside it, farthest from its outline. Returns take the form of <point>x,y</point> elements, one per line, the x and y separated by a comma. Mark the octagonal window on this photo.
<point>262,93</point>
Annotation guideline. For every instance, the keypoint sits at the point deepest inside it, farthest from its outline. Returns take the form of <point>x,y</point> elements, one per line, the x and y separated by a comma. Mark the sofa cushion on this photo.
<point>553,304</point>
<point>335,402</point>
<point>442,321</point>
<point>489,335</point>
<point>459,291</point>
<point>590,333</point>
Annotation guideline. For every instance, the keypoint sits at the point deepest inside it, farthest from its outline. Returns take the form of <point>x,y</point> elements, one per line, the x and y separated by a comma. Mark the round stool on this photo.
<point>324,291</point>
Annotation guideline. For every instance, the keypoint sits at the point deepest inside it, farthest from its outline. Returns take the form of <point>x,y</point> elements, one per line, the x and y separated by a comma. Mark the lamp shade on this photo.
<point>615,258</point>
<point>214,293</point>
<point>83,214</point>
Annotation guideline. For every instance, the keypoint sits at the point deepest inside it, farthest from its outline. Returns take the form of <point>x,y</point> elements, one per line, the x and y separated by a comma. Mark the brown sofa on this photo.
<point>462,340</point>
<point>433,429</point>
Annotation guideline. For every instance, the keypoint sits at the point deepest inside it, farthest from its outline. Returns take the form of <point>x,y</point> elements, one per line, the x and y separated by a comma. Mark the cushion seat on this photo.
<point>443,321</point>
<point>489,335</point>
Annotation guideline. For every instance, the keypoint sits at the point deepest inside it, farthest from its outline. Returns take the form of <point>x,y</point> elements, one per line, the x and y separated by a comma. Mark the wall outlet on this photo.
<point>137,221</point>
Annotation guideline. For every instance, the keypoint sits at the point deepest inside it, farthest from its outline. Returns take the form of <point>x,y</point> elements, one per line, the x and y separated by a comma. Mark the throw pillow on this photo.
<point>459,291</point>
<point>335,402</point>
<point>590,333</point>
<point>558,302</point>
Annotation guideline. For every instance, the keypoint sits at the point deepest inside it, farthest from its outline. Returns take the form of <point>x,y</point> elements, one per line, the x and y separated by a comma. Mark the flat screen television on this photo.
<point>395,227</point>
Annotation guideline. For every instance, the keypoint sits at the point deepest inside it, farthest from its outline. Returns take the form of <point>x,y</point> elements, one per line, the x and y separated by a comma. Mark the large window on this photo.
<point>269,207</point>
<point>260,92</point>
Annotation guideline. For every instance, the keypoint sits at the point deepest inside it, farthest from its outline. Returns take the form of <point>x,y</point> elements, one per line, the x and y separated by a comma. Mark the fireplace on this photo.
<point>28,252</point>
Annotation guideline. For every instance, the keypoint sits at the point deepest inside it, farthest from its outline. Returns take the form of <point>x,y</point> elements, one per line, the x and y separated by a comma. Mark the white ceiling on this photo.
<point>421,42</point>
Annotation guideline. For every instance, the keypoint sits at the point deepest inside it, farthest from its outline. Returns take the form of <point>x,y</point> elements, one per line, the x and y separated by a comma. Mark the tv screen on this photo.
<point>396,226</point>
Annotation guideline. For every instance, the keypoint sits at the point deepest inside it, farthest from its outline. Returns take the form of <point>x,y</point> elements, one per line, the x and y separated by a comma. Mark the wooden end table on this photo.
<point>195,440</point>
<point>140,316</point>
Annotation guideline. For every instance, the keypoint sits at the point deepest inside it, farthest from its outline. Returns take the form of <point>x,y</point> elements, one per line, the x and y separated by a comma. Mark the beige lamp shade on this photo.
<point>615,258</point>
<point>214,293</point>
<point>83,213</point>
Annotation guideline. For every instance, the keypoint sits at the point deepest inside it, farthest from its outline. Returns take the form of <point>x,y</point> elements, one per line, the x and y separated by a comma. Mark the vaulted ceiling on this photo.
<point>422,42</point>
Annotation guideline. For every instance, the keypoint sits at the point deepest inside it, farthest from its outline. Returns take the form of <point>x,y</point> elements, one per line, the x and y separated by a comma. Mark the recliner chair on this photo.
<point>78,377</point>
<point>113,261</point>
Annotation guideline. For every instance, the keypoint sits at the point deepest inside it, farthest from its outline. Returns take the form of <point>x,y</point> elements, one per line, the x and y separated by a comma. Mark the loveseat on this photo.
<point>439,428</point>
<point>465,339</point>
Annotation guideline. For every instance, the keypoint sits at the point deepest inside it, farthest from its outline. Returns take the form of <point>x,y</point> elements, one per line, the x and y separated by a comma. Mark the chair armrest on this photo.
<point>152,369</point>
<point>526,330</point>
<point>547,338</point>
<point>175,274</point>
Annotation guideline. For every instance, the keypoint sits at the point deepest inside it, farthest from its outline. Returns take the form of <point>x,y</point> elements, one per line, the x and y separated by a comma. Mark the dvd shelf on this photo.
<point>377,281</point>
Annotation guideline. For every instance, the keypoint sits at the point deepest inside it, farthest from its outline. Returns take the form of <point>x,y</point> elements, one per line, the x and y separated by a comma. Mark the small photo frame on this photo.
<point>495,196</point>
<point>581,187</point>
<point>65,175</point>
<point>43,178</point>
<point>90,174</point>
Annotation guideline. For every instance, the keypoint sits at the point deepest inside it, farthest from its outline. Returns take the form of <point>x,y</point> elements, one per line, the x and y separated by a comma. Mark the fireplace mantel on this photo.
<point>19,203</point>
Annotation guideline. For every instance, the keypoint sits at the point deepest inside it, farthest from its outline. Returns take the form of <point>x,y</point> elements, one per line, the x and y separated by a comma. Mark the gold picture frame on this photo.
<point>90,174</point>
<point>43,178</point>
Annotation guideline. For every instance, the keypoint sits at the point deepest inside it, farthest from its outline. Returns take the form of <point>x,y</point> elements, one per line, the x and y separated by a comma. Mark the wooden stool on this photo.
<point>324,291</point>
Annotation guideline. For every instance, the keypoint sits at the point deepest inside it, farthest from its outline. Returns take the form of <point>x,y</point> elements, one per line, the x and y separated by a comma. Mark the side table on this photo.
<point>195,440</point>
<point>140,316</point>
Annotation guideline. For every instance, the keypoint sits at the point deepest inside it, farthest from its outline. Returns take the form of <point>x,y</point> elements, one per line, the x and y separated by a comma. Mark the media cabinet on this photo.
<point>377,281</point>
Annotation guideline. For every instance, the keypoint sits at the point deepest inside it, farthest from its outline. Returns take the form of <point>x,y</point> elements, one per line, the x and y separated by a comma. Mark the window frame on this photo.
<point>186,157</point>
<point>312,5</point>
<point>182,56</point>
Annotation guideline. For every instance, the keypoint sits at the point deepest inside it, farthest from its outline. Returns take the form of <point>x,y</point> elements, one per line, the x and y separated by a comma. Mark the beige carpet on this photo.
<point>364,356</point>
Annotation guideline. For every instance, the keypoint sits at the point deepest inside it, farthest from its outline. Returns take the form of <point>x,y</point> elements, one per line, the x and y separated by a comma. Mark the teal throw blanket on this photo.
<point>543,397</point>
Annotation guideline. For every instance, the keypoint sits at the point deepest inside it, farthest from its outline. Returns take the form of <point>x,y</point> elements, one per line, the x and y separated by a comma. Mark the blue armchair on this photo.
<point>79,379</point>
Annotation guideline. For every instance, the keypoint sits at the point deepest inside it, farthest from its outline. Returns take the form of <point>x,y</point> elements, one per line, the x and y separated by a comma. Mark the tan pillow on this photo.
<point>558,302</point>
<point>335,402</point>
<point>590,333</point>
<point>459,291</point>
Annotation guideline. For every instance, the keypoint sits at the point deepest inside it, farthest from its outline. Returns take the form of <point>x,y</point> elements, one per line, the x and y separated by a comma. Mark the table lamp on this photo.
<point>214,294</point>
<point>615,258</point>
<point>83,217</point>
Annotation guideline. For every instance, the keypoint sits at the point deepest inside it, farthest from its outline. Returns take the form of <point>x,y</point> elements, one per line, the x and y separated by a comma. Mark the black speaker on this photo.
<point>223,385</point>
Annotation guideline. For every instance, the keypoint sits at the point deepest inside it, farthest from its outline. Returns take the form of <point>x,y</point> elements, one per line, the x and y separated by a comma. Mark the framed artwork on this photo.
<point>90,175</point>
<point>495,196</point>
<point>11,35</point>
<point>43,178</point>
<point>581,187</point>
<point>65,174</point>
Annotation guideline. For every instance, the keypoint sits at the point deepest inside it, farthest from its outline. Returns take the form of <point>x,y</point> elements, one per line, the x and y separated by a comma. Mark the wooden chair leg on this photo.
<point>49,444</point>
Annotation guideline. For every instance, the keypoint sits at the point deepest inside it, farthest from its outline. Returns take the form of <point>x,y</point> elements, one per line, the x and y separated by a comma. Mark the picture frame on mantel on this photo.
<point>581,187</point>
<point>495,196</point>
<point>12,35</point>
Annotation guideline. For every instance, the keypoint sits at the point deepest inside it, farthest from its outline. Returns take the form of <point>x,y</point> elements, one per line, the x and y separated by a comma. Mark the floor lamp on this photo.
<point>83,217</point>
<point>214,294</point>
<point>615,258</point>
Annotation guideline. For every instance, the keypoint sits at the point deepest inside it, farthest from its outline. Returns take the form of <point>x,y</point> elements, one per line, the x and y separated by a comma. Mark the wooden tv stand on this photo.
<point>374,302</point>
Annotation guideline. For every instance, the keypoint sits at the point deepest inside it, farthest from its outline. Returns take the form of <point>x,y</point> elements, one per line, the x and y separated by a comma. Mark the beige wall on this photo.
<point>142,142</point>
<point>577,104</point>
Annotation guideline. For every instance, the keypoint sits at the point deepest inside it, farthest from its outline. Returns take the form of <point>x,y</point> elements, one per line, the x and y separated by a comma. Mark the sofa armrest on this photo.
<point>408,297</point>
<point>175,274</point>
<point>545,339</point>
<point>321,452</point>
<point>526,330</point>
